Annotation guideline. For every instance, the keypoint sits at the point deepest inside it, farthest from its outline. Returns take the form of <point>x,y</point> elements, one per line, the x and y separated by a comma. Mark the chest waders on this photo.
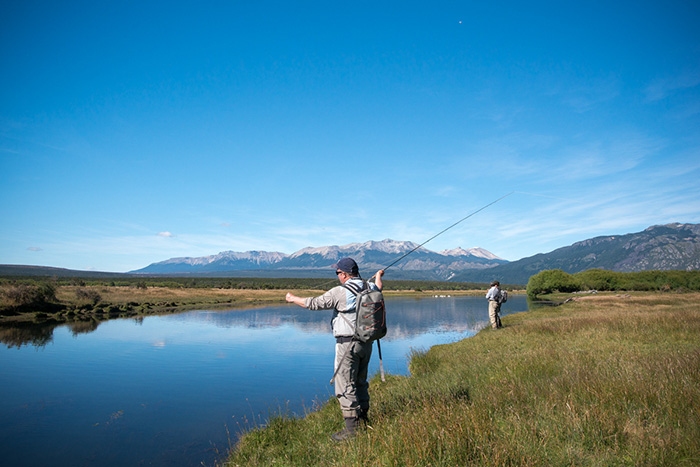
<point>381,364</point>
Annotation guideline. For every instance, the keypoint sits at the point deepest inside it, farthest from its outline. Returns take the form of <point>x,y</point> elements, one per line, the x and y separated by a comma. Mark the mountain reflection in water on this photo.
<point>177,389</point>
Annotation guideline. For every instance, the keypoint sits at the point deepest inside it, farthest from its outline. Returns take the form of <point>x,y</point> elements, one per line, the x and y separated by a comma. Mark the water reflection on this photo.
<point>406,317</point>
<point>177,389</point>
<point>19,334</point>
<point>413,316</point>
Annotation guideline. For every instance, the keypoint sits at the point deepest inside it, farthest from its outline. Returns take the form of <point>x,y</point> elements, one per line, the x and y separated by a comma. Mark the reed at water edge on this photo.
<point>603,380</point>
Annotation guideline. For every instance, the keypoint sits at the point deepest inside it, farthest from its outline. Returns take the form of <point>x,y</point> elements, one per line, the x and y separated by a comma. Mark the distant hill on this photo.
<point>660,247</point>
<point>371,256</point>
<point>48,271</point>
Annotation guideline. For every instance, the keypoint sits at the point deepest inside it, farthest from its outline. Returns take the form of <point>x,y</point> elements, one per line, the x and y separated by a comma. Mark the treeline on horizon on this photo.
<point>252,283</point>
<point>556,280</point>
<point>544,282</point>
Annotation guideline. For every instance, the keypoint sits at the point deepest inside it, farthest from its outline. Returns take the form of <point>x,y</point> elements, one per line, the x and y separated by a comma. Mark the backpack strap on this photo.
<point>354,288</point>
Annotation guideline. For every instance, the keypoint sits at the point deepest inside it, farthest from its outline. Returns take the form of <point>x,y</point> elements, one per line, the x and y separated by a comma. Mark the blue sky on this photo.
<point>133,132</point>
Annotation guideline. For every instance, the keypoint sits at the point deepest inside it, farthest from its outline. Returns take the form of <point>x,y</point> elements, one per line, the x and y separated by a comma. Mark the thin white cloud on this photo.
<point>165,234</point>
<point>446,191</point>
<point>555,161</point>
<point>662,88</point>
<point>34,248</point>
<point>527,224</point>
<point>585,98</point>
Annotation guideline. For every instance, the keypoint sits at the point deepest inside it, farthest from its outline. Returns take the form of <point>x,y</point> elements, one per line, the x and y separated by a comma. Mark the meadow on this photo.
<point>604,380</point>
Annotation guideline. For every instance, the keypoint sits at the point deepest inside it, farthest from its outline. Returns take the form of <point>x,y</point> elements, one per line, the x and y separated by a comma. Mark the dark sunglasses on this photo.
<point>338,272</point>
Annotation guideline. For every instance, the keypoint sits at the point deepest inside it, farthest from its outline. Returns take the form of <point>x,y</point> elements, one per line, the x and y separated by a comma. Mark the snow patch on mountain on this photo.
<point>385,246</point>
<point>257,257</point>
<point>370,255</point>
<point>478,252</point>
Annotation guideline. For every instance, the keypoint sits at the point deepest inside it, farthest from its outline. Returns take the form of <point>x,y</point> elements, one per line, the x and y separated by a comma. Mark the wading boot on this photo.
<point>364,419</point>
<point>348,431</point>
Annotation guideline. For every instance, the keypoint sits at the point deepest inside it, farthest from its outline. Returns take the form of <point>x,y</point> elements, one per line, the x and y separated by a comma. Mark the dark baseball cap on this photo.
<point>347,265</point>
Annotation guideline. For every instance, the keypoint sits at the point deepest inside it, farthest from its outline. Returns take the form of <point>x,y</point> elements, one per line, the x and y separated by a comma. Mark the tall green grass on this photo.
<point>603,381</point>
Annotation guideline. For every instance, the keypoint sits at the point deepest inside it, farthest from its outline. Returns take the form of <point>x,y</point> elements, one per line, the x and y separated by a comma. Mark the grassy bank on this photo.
<point>79,303</point>
<point>603,380</point>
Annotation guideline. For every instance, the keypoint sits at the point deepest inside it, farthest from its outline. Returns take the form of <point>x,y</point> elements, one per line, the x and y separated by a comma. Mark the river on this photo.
<point>178,389</point>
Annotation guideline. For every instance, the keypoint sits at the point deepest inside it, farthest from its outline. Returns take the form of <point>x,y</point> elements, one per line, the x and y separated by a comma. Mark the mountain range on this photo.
<point>660,247</point>
<point>371,256</point>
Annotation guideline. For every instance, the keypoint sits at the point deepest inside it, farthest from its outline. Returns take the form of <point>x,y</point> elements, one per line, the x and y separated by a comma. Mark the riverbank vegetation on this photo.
<point>247,283</point>
<point>62,300</point>
<point>556,280</point>
<point>606,379</point>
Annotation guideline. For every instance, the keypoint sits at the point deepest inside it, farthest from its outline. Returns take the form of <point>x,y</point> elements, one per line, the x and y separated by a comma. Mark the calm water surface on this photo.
<point>177,390</point>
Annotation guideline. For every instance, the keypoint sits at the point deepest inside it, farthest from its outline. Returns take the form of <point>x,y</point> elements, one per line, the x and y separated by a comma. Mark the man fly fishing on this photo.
<point>351,355</point>
<point>495,298</point>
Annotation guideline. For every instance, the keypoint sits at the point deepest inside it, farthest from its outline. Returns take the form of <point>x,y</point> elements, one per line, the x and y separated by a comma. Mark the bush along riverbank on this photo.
<point>45,301</point>
<point>601,380</point>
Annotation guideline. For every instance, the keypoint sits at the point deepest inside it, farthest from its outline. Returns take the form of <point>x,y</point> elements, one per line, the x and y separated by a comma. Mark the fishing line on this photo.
<point>379,348</point>
<point>448,228</point>
<point>434,236</point>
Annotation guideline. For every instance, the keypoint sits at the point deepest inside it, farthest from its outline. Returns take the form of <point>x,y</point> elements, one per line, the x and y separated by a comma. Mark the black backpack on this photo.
<point>370,312</point>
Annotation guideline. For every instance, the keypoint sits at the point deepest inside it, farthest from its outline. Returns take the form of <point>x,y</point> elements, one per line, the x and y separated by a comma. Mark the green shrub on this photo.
<point>599,279</point>
<point>552,280</point>
<point>24,295</point>
<point>88,295</point>
<point>556,280</point>
<point>76,281</point>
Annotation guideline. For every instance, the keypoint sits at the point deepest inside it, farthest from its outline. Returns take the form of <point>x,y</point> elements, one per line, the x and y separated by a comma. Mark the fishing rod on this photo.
<point>433,237</point>
<point>379,347</point>
<point>445,230</point>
